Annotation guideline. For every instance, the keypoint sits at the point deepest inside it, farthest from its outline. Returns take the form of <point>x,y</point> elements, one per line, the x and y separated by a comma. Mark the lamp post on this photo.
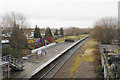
<point>8,71</point>
<point>45,43</point>
<point>45,47</point>
<point>119,28</point>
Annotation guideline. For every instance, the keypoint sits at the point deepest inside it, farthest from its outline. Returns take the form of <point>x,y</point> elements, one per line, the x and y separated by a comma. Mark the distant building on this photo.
<point>29,32</point>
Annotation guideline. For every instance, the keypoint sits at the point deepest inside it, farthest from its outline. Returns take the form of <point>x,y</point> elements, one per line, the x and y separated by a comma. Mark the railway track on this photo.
<point>50,70</point>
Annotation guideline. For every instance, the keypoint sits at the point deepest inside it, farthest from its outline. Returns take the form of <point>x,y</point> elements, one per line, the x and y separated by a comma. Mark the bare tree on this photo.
<point>105,30</point>
<point>76,31</point>
<point>8,20</point>
<point>14,24</point>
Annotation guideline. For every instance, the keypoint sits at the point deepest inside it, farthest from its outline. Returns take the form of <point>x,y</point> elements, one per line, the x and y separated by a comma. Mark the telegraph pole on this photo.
<point>119,24</point>
<point>118,28</point>
<point>8,70</point>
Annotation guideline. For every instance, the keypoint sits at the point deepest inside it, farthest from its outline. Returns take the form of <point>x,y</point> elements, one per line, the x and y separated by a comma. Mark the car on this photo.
<point>69,40</point>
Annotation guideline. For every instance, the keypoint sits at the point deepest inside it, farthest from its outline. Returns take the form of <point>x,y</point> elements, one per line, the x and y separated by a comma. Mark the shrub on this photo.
<point>100,71</point>
<point>8,50</point>
<point>49,39</point>
<point>30,48</point>
<point>35,45</point>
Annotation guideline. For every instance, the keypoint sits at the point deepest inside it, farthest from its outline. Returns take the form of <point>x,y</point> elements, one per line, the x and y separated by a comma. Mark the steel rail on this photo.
<point>56,67</point>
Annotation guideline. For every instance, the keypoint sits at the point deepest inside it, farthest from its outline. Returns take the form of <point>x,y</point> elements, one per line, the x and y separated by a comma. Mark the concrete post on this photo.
<point>37,54</point>
<point>8,69</point>
<point>1,71</point>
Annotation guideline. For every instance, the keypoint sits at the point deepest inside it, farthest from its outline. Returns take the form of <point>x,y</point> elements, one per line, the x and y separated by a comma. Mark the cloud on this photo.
<point>61,12</point>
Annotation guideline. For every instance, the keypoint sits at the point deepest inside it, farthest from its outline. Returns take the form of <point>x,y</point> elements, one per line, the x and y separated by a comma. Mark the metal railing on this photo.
<point>11,60</point>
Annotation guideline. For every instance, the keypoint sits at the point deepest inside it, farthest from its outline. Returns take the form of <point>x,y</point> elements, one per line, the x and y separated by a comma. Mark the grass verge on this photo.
<point>86,55</point>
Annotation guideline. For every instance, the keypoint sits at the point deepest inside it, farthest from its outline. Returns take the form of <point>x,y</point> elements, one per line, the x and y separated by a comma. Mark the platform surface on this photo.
<point>32,65</point>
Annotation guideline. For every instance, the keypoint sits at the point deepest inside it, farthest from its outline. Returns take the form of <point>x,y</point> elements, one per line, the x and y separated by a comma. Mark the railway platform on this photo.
<point>33,64</point>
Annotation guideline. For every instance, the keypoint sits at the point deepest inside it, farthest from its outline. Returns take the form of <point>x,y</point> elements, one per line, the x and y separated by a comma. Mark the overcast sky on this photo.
<point>61,13</point>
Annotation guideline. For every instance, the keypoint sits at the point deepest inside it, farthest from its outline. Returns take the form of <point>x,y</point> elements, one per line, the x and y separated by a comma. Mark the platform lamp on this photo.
<point>45,42</point>
<point>118,24</point>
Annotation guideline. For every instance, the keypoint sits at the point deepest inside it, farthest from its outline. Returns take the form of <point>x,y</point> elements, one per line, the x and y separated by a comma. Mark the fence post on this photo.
<point>8,76</point>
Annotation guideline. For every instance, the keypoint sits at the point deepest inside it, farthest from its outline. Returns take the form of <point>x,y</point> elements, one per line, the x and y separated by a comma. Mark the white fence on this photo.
<point>43,47</point>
